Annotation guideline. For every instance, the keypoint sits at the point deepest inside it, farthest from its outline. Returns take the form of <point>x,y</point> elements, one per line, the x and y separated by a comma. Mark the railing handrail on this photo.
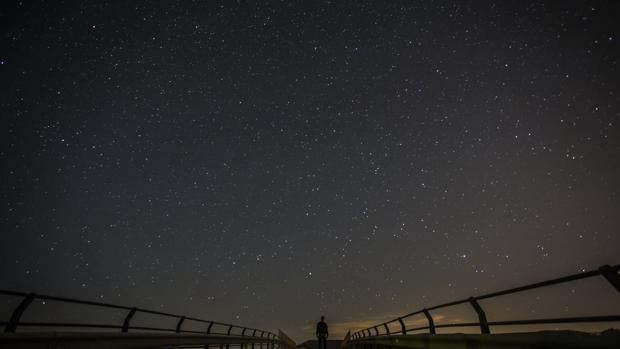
<point>28,298</point>
<point>610,273</point>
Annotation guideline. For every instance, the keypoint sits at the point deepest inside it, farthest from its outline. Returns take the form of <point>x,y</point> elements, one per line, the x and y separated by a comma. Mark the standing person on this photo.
<point>322,333</point>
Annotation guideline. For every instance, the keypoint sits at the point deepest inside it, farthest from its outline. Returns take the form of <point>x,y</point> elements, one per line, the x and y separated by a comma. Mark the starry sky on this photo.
<point>265,163</point>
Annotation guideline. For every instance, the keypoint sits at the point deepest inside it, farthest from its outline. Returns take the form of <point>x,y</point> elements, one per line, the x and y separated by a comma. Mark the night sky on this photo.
<point>267,163</point>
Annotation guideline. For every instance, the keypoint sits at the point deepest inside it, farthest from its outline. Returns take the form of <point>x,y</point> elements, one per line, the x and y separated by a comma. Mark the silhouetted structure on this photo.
<point>407,336</point>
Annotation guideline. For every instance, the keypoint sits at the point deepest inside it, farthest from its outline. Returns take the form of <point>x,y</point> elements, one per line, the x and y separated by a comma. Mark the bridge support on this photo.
<point>11,326</point>
<point>127,320</point>
<point>484,325</point>
<point>387,329</point>
<point>611,275</point>
<point>431,323</point>
<point>403,329</point>
<point>179,324</point>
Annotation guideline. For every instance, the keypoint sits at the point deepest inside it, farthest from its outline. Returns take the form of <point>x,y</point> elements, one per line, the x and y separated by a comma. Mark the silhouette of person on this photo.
<point>322,333</point>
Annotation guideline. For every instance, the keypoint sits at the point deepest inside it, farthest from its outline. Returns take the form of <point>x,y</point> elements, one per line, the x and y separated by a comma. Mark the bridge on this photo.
<point>191,332</point>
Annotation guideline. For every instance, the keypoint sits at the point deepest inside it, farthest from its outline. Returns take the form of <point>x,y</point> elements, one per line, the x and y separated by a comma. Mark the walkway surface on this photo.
<point>314,344</point>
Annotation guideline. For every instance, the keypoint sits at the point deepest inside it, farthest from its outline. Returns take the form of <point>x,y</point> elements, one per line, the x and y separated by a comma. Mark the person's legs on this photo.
<point>322,343</point>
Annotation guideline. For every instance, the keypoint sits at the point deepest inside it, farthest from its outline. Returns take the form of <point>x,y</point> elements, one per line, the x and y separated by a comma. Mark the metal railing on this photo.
<point>610,273</point>
<point>231,334</point>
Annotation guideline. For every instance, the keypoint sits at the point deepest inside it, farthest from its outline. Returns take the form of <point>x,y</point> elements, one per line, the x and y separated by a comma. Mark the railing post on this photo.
<point>376,330</point>
<point>431,323</point>
<point>243,332</point>
<point>209,328</point>
<point>403,329</point>
<point>387,328</point>
<point>127,320</point>
<point>611,275</point>
<point>179,324</point>
<point>230,327</point>
<point>369,334</point>
<point>11,326</point>
<point>484,325</point>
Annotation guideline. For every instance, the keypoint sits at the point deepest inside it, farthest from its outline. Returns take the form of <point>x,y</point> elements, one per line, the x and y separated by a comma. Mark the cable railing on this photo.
<point>609,273</point>
<point>215,332</point>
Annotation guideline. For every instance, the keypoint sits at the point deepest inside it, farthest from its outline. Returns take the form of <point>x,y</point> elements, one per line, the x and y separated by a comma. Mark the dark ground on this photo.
<point>313,344</point>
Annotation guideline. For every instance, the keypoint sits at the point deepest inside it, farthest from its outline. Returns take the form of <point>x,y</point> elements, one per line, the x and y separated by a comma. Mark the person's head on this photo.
<point>322,317</point>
